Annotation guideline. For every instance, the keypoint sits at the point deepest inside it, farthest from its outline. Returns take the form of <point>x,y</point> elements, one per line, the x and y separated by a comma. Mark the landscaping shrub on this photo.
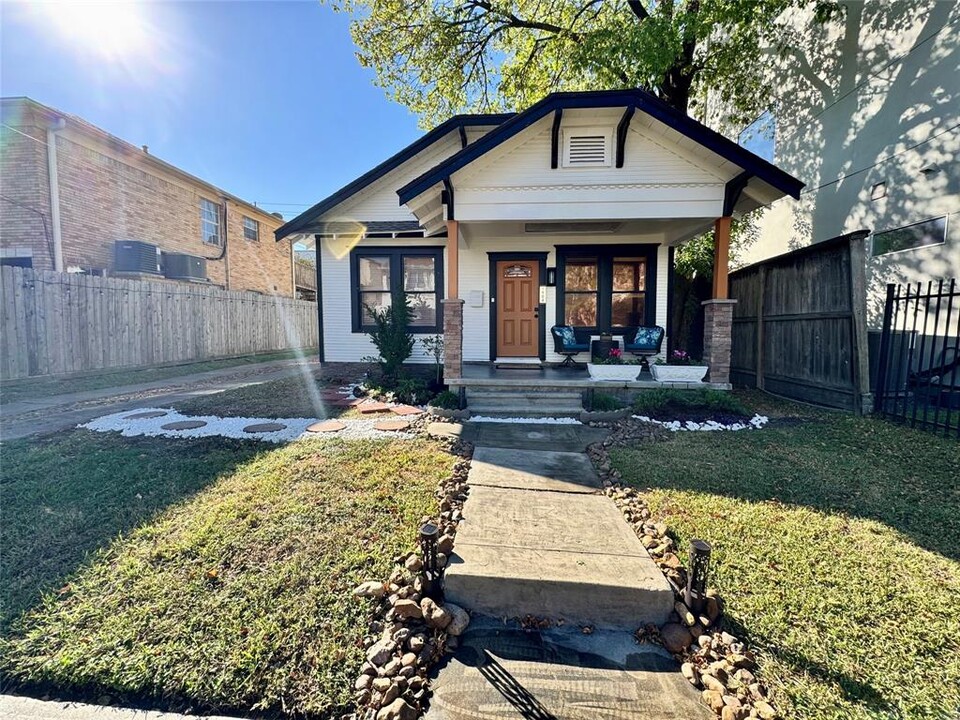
<point>663,403</point>
<point>604,402</point>
<point>446,401</point>
<point>392,337</point>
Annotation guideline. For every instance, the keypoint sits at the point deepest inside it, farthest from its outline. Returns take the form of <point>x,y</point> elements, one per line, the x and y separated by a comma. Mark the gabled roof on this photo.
<point>307,218</point>
<point>643,101</point>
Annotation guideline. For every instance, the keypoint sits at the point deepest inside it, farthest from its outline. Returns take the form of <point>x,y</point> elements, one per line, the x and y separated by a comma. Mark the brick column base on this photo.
<point>452,338</point>
<point>717,332</point>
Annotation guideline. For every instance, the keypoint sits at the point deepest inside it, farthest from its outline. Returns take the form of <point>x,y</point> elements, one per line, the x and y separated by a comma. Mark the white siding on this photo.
<point>658,180</point>
<point>340,343</point>
<point>475,275</point>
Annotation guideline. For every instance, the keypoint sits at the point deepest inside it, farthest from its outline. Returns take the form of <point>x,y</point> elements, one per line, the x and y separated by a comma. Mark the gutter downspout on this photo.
<point>54,186</point>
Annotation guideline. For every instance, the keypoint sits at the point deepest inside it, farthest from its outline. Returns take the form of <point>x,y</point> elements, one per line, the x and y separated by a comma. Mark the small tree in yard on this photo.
<point>433,344</point>
<point>392,337</point>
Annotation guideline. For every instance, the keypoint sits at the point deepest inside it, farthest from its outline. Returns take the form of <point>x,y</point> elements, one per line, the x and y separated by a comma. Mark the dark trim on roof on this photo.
<point>555,139</point>
<point>446,198</point>
<point>303,221</point>
<point>732,191</point>
<point>644,101</point>
<point>622,128</point>
<point>463,137</point>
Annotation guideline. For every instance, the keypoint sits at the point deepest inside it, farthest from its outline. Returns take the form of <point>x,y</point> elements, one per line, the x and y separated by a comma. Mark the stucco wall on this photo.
<point>872,99</point>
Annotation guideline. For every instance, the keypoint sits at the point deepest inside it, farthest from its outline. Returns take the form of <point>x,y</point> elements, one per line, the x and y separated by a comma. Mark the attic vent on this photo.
<point>586,147</point>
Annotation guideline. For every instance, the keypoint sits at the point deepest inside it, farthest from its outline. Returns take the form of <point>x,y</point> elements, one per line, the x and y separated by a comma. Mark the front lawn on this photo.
<point>297,396</point>
<point>835,544</point>
<point>223,575</point>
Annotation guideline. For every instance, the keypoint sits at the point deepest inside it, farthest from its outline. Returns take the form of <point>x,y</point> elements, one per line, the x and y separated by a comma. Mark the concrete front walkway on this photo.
<point>538,538</point>
<point>49,414</point>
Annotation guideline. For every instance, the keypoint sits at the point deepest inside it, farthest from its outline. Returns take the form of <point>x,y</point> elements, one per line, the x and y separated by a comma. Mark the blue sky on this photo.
<point>264,99</point>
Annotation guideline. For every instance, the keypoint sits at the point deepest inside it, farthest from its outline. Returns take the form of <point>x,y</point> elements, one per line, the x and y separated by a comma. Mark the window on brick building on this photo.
<point>251,229</point>
<point>209,222</point>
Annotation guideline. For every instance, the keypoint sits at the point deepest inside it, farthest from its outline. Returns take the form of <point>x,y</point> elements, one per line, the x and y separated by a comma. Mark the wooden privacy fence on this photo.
<point>57,323</point>
<point>799,325</point>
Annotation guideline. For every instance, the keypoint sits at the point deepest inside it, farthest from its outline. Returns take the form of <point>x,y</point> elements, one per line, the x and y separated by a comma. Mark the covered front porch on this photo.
<point>478,375</point>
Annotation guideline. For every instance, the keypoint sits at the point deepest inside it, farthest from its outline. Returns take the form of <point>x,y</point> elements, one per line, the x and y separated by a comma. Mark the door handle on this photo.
<point>536,312</point>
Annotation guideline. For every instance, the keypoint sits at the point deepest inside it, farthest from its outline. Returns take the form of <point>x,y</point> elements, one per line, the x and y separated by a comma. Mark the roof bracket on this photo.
<point>622,128</point>
<point>733,190</point>
<point>446,197</point>
<point>555,139</point>
<point>463,137</point>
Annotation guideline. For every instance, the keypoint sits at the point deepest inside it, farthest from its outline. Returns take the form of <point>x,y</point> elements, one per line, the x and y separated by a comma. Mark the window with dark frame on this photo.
<point>605,288</point>
<point>251,229</point>
<point>580,282</point>
<point>910,237</point>
<point>378,275</point>
<point>209,222</point>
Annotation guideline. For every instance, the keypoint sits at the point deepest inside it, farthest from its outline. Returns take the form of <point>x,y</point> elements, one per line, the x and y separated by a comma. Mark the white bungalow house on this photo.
<point>498,227</point>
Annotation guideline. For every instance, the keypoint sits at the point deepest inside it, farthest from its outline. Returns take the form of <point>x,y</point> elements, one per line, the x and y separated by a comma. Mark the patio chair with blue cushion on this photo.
<point>565,342</point>
<point>643,341</point>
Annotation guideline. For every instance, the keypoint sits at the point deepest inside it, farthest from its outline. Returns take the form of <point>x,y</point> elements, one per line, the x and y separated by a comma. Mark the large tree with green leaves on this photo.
<point>440,57</point>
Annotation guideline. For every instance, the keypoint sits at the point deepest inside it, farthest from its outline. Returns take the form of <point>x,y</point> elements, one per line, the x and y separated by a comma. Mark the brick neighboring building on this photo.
<point>110,190</point>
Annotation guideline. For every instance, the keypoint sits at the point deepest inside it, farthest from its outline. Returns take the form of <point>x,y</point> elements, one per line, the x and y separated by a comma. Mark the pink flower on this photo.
<point>616,352</point>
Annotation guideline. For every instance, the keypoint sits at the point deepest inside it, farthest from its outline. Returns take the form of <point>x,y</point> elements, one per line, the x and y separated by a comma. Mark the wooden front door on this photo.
<point>518,308</point>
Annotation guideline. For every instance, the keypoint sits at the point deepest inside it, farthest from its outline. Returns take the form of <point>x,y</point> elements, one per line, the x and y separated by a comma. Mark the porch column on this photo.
<point>718,312</point>
<point>453,307</point>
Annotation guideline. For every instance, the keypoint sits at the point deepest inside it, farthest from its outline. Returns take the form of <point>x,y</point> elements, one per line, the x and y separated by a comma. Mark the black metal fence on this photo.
<point>918,380</point>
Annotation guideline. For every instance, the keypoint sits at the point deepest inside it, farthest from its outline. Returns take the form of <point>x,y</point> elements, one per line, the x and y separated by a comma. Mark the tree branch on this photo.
<point>638,9</point>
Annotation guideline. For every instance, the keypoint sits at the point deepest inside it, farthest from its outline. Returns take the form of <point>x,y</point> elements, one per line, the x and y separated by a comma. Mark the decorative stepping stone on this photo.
<point>373,407</point>
<point>326,426</point>
<point>264,427</point>
<point>184,425</point>
<point>406,410</point>
<point>391,425</point>
<point>147,415</point>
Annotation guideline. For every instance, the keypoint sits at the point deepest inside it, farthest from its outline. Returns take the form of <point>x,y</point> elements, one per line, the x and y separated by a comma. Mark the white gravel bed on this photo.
<point>232,427</point>
<point>755,423</point>
<point>526,421</point>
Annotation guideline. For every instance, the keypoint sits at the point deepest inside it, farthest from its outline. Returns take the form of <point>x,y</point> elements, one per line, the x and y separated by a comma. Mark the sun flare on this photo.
<point>116,30</point>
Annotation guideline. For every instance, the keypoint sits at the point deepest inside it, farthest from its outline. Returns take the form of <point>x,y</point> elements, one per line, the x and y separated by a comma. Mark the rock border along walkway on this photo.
<point>541,543</point>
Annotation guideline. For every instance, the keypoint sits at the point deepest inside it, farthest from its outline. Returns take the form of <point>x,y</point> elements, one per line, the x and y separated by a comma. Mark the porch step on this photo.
<point>524,402</point>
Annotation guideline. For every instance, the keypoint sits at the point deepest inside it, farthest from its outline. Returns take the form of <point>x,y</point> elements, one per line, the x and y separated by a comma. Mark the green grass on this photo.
<point>16,390</point>
<point>194,574</point>
<point>835,543</point>
<point>295,396</point>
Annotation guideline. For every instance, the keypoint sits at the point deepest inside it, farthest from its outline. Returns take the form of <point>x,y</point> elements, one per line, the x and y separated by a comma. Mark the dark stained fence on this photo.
<point>918,381</point>
<point>799,325</point>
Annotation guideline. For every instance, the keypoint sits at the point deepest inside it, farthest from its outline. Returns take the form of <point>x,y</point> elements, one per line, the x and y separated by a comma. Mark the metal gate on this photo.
<point>918,381</point>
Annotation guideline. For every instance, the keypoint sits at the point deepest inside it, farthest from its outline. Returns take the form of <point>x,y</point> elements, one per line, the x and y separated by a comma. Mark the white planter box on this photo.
<point>678,373</point>
<point>619,373</point>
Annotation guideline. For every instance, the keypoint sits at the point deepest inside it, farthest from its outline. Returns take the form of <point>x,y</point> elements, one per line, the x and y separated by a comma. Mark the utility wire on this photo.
<point>881,161</point>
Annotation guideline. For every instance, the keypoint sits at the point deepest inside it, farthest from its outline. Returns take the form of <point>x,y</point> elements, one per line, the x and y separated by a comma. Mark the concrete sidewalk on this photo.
<point>15,707</point>
<point>49,414</point>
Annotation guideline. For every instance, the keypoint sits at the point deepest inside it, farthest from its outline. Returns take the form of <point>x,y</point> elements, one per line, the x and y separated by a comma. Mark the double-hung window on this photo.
<point>251,229</point>
<point>209,222</point>
<point>605,288</point>
<point>381,276</point>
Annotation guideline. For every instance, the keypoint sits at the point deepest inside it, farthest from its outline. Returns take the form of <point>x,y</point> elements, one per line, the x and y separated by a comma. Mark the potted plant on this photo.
<point>678,367</point>
<point>613,368</point>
